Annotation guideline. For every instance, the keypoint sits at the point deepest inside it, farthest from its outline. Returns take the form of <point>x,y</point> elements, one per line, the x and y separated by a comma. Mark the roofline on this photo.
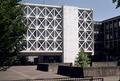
<point>85,9</point>
<point>110,19</point>
<point>34,4</point>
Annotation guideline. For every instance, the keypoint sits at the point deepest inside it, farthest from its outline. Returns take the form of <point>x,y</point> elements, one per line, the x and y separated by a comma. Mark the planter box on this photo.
<point>42,67</point>
<point>73,72</point>
<point>78,72</point>
<point>51,67</point>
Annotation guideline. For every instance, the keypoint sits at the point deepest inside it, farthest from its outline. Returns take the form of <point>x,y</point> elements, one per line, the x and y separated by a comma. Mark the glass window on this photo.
<point>119,23</point>
<point>108,45</point>
<point>111,25</point>
<point>111,37</point>
<point>115,24</point>
<point>107,27</point>
<point>107,36</point>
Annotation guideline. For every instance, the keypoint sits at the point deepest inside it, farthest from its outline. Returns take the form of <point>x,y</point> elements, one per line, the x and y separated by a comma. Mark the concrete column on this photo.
<point>70,33</point>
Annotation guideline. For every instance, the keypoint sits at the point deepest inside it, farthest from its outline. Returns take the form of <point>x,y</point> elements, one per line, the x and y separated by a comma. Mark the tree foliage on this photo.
<point>117,2</point>
<point>11,30</point>
<point>82,59</point>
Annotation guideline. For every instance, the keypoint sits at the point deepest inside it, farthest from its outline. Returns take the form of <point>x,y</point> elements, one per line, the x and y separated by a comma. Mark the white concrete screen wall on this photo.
<point>57,31</point>
<point>71,40</point>
<point>85,25</point>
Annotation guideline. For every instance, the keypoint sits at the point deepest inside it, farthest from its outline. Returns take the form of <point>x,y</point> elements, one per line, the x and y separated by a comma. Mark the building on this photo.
<point>109,39</point>
<point>57,33</point>
<point>98,41</point>
<point>98,37</point>
<point>112,37</point>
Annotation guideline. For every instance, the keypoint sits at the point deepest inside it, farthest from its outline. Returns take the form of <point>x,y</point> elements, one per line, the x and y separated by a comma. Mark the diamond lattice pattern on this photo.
<point>85,30</point>
<point>45,32</point>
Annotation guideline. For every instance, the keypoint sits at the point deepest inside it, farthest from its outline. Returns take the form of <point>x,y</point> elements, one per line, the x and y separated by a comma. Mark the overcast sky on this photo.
<point>103,9</point>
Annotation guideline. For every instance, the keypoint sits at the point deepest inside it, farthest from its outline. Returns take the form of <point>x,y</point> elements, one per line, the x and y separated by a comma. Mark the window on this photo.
<point>107,27</point>
<point>107,45</point>
<point>115,24</point>
<point>111,36</point>
<point>96,32</point>
<point>119,23</point>
<point>107,36</point>
<point>111,25</point>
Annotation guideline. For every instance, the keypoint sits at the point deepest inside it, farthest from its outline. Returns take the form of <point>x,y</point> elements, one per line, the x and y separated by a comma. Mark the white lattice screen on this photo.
<point>45,28</point>
<point>86,36</point>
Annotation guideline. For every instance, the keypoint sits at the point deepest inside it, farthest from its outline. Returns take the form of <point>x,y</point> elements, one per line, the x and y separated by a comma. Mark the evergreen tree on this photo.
<point>11,30</point>
<point>117,2</point>
<point>82,59</point>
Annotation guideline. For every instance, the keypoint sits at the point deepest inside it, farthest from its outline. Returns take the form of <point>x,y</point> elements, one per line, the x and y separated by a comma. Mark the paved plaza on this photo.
<point>26,72</point>
<point>30,72</point>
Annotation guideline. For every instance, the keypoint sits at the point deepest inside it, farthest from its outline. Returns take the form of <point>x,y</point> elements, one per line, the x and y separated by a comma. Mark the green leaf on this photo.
<point>118,4</point>
<point>11,30</point>
<point>114,1</point>
<point>82,59</point>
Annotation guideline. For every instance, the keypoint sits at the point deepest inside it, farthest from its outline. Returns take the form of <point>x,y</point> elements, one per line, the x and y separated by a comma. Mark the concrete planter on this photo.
<point>51,67</point>
<point>88,71</point>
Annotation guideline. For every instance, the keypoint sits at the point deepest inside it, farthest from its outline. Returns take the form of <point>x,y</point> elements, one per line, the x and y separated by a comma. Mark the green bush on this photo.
<point>82,59</point>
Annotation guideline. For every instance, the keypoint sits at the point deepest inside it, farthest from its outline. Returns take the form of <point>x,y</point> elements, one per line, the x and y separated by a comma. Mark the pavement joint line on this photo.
<point>22,74</point>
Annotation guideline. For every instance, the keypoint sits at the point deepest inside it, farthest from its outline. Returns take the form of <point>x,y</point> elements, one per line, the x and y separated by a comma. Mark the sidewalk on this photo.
<point>26,72</point>
<point>30,72</point>
<point>111,78</point>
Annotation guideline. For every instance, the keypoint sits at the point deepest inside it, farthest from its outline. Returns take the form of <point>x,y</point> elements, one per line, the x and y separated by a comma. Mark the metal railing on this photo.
<point>64,79</point>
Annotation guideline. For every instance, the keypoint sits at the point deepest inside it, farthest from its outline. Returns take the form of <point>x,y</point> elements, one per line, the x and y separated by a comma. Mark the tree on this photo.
<point>118,3</point>
<point>11,30</point>
<point>82,59</point>
<point>21,60</point>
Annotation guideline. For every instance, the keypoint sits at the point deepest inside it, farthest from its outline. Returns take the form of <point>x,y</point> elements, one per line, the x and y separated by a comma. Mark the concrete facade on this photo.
<point>57,33</point>
<point>71,40</point>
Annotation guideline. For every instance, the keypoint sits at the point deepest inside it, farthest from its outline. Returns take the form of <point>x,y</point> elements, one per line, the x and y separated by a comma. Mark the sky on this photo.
<point>102,9</point>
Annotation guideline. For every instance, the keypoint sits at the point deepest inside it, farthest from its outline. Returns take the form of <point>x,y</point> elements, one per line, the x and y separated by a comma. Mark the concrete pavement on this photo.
<point>26,72</point>
<point>30,72</point>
